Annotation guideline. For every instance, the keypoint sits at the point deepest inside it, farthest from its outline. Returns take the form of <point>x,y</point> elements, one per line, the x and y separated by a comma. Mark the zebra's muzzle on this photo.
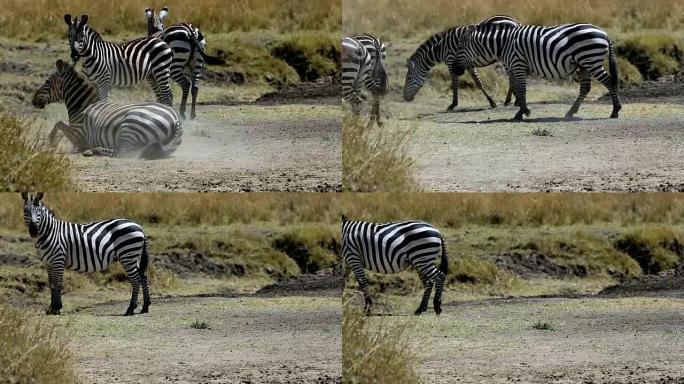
<point>38,102</point>
<point>33,230</point>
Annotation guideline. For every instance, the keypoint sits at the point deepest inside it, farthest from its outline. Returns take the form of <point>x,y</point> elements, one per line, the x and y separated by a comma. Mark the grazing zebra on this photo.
<point>187,43</point>
<point>120,64</point>
<point>441,48</point>
<point>392,247</point>
<point>552,52</point>
<point>149,130</point>
<point>362,65</point>
<point>87,248</point>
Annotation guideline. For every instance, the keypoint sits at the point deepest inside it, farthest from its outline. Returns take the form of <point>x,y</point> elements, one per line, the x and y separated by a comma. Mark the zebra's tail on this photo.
<point>211,60</point>
<point>444,264</point>
<point>144,258</point>
<point>612,65</point>
<point>379,73</point>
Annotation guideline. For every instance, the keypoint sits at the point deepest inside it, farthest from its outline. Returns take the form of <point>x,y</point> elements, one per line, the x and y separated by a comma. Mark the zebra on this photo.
<point>363,57</point>
<point>120,64</point>
<point>549,51</point>
<point>392,247</point>
<point>96,127</point>
<point>87,248</point>
<point>441,48</point>
<point>187,43</point>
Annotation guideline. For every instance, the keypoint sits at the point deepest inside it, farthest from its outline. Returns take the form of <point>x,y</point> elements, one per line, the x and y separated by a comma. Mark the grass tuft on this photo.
<point>26,163</point>
<point>542,326</point>
<point>542,132</point>
<point>32,351</point>
<point>376,353</point>
<point>375,159</point>
<point>200,325</point>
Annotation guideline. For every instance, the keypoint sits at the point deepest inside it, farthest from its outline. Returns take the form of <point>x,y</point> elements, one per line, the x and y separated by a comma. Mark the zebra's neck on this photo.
<point>78,95</point>
<point>435,49</point>
<point>48,236</point>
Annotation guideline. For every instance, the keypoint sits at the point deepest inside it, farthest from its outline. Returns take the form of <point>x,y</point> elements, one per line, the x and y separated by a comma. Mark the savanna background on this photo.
<point>268,119</point>
<point>479,149</point>
<point>542,288</point>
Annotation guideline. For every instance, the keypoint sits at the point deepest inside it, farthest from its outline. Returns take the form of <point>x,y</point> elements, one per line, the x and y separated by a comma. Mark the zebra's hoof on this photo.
<point>438,310</point>
<point>145,308</point>
<point>53,311</point>
<point>451,107</point>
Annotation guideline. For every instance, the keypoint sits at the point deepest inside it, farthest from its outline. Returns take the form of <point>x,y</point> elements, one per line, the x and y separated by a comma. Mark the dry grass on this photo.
<point>25,162</point>
<point>43,19</point>
<point>376,353</point>
<point>407,18</point>
<point>375,159</point>
<point>32,351</point>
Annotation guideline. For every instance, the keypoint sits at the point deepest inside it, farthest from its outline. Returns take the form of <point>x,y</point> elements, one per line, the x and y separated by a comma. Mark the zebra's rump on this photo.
<point>141,125</point>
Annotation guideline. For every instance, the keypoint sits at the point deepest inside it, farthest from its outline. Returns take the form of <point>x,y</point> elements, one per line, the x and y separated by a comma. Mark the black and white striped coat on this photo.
<point>87,248</point>
<point>189,56</point>
<point>121,64</point>
<point>363,57</point>
<point>442,48</point>
<point>551,51</point>
<point>393,247</point>
<point>147,130</point>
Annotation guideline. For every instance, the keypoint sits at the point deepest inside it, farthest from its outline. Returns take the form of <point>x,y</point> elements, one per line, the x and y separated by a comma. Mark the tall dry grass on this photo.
<point>25,162</point>
<point>29,19</point>
<point>32,351</point>
<point>409,18</point>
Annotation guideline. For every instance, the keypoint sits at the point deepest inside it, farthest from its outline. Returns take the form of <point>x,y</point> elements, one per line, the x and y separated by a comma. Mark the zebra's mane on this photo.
<point>80,78</point>
<point>431,42</point>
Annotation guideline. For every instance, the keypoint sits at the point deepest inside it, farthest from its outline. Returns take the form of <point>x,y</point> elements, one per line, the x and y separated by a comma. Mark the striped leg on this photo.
<point>427,285</point>
<point>104,83</point>
<point>439,288</point>
<point>518,80</point>
<point>55,278</point>
<point>476,78</point>
<point>509,97</point>
<point>585,87</point>
<point>375,113</point>
<point>161,82</point>
<point>362,279</point>
<point>454,89</point>
<point>133,275</point>
<point>604,78</point>
<point>146,293</point>
<point>196,74</point>
<point>182,80</point>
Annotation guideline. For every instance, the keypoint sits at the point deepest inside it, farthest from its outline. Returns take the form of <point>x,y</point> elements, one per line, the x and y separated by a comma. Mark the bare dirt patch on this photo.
<point>328,283</point>
<point>536,264</point>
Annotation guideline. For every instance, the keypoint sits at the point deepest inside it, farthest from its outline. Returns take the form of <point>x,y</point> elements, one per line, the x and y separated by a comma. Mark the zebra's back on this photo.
<point>392,247</point>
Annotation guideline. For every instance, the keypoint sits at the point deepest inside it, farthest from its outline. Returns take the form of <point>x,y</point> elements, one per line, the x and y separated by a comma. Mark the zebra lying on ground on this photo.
<point>87,248</point>
<point>187,43</point>
<point>362,65</point>
<point>552,52</point>
<point>442,48</point>
<point>120,64</point>
<point>392,247</point>
<point>149,130</point>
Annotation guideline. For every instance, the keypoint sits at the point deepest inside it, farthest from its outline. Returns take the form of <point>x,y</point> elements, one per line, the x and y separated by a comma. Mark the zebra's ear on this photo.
<point>163,13</point>
<point>67,19</point>
<point>84,20</point>
<point>344,218</point>
<point>38,197</point>
<point>149,12</point>
<point>61,65</point>
<point>25,196</point>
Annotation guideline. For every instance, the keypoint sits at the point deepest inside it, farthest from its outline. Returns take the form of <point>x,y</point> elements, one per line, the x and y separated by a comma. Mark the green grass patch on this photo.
<point>33,350</point>
<point>653,54</point>
<point>654,248</point>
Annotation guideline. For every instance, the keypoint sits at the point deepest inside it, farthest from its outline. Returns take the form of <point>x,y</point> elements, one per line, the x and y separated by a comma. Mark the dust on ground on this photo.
<point>476,148</point>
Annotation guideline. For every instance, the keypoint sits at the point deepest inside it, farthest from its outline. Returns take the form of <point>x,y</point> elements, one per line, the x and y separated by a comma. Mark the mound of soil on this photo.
<point>324,91</point>
<point>535,264</point>
<point>325,283</point>
<point>666,87</point>
<point>670,282</point>
<point>191,263</point>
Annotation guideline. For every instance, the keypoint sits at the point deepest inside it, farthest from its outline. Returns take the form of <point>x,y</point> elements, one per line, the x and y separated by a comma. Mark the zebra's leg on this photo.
<point>518,80</point>
<point>182,80</point>
<point>133,274</point>
<point>196,74</point>
<point>478,83</point>
<point>604,78</point>
<point>59,126</point>
<point>427,285</point>
<point>439,279</point>
<point>100,151</point>
<point>454,90</point>
<point>104,83</point>
<point>161,82</point>
<point>375,113</point>
<point>146,293</point>
<point>362,279</point>
<point>55,278</point>
<point>585,87</point>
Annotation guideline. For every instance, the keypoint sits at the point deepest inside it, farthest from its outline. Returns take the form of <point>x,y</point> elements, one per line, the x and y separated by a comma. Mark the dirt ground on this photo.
<point>245,138</point>
<point>477,148</point>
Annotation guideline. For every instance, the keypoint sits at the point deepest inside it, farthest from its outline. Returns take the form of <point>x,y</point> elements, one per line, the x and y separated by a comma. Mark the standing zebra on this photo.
<point>120,64</point>
<point>552,52</point>
<point>441,48</point>
<point>149,130</point>
<point>187,43</point>
<point>87,248</point>
<point>363,59</point>
<point>392,247</point>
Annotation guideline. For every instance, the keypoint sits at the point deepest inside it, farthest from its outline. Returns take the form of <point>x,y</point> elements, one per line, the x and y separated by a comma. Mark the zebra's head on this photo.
<point>155,23</point>
<point>464,58</point>
<point>416,74</point>
<point>53,88</point>
<point>34,212</point>
<point>79,38</point>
